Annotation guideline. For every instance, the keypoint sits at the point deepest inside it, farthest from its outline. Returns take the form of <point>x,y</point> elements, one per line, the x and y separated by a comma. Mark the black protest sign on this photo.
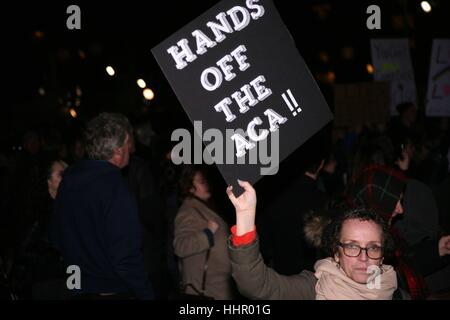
<point>237,67</point>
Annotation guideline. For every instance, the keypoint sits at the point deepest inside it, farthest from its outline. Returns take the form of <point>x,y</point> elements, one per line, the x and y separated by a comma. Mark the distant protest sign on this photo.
<point>236,69</point>
<point>438,95</point>
<point>361,103</point>
<point>392,63</point>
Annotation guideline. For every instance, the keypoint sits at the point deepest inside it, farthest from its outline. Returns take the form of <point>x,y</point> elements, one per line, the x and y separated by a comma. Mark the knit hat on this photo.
<point>377,187</point>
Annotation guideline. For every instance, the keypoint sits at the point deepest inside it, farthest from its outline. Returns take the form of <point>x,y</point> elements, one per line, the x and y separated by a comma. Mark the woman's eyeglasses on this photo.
<point>353,250</point>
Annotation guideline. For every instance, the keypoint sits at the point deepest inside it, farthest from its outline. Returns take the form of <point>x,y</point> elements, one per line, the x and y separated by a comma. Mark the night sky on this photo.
<point>45,62</point>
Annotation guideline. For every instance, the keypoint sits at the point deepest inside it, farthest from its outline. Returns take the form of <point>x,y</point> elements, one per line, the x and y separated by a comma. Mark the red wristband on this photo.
<point>243,240</point>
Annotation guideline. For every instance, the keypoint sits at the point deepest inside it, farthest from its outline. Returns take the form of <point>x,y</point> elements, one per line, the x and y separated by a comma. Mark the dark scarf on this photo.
<point>410,277</point>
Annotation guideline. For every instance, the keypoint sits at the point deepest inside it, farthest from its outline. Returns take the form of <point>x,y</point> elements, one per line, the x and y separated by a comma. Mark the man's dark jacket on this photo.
<point>96,227</point>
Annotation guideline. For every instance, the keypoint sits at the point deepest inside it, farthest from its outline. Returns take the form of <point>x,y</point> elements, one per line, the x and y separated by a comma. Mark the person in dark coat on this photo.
<point>382,189</point>
<point>291,254</point>
<point>97,224</point>
<point>140,180</point>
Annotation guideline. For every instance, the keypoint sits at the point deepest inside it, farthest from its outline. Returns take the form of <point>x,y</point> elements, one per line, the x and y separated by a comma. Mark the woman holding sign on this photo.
<point>356,242</point>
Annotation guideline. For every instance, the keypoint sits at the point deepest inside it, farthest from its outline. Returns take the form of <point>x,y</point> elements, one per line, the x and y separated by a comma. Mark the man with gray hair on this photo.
<point>97,225</point>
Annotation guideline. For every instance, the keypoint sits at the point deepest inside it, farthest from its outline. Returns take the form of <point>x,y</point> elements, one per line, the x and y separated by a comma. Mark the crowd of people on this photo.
<point>350,208</point>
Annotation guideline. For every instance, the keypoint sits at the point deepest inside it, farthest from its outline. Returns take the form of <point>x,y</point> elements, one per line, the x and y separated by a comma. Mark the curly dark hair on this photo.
<point>187,179</point>
<point>332,232</point>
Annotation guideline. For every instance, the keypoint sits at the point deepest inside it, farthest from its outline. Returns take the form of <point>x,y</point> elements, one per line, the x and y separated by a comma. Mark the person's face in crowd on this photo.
<point>365,234</point>
<point>53,182</point>
<point>121,155</point>
<point>398,209</point>
<point>200,187</point>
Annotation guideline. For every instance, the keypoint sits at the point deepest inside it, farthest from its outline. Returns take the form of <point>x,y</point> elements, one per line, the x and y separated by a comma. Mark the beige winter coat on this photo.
<point>257,281</point>
<point>191,245</point>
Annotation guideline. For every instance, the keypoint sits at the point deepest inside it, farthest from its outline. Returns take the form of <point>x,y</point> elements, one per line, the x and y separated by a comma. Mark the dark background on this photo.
<point>42,53</point>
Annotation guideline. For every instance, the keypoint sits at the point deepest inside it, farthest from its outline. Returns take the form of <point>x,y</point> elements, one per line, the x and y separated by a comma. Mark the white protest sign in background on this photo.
<point>392,63</point>
<point>438,95</point>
